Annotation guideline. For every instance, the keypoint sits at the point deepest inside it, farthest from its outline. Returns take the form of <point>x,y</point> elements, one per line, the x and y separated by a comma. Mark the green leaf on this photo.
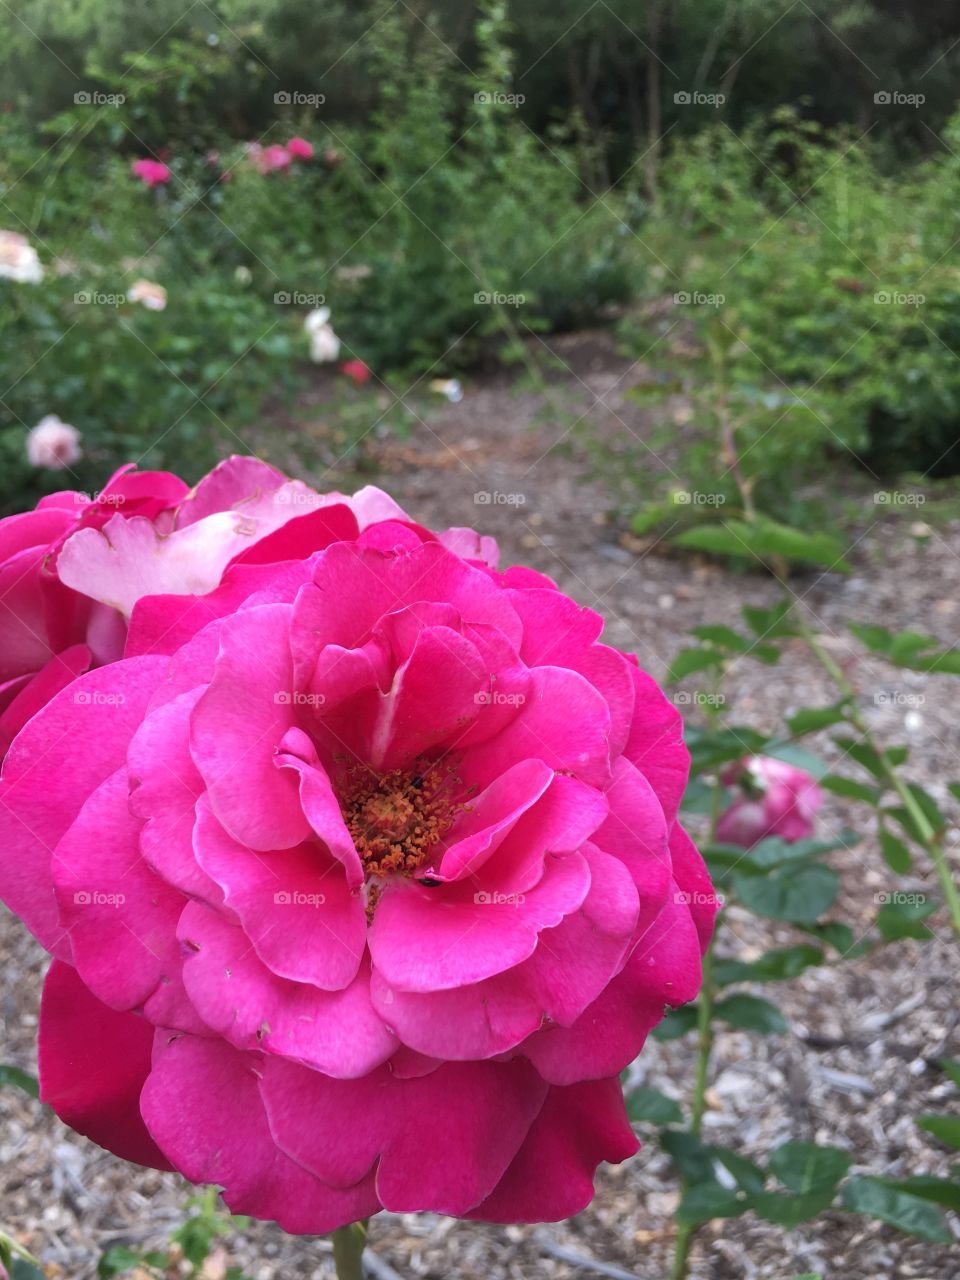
<point>865,755</point>
<point>722,637</point>
<point>775,852</point>
<point>692,1157</point>
<point>710,749</point>
<point>876,1199</point>
<point>814,718</point>
<point>116,1260</point>
<point>851,789</point>
<point>898,920</point>
<point>789,1211</point>
<point>21,1269</point>
<point>834,933</point>
<point>770,622</point>
<point>786,963</point>
<point>22,1079</point>
<point>689,661</point>
<point>794,754</point>
<point>676,1023</point>
<point>951,1068</point>
<point>895,853</point>
<point>650,1106</point>
<point>927,1187</point>
<point>751,1013</point>
<point>764,539</point>
<point>748,1175</point>
<point>944,1128</point>
<point>803,1166</point>
<point>799,894</point>
<point>709,1200</point>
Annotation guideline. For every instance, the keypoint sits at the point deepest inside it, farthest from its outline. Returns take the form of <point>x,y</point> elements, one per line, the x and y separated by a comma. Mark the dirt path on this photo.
<point>880,1022</point>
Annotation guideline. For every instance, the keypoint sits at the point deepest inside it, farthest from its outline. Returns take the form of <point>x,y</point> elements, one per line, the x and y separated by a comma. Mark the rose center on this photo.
<point>396,818</point>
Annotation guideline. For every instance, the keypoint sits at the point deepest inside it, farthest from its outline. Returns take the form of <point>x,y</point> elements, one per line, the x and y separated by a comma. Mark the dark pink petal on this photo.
<point>636,833</point>
<point>237,482</point>
<point>61,670</point>
<point>164,789</point>
<point>694,883</point>
<point>59,758</point>
<point>432,939</point>
<point>656,743</point>
<point>551,1176</point>
<point>564,722</point>
<point>237,726</point>
<point>664,969</point>
<point>303,535</point>
<point>294,905</point>
<point>443,1140</point>
<point>93,1062</point>
<point>230,1144</point>
<point>491,816</point>
<point>122,918</point>
<point>320,804</point>
<point>336,1032</point>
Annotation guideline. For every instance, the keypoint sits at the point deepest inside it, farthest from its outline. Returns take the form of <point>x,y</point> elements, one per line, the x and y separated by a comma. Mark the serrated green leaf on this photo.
<point>868,758</point>
<point>722,637</point>
<point>751,1013</point>
<point>803,1166</point>
<point>650,1106</point>
<point>691,1156</point>
<point>689,661</point>
<point>770,622</point>
<point>789,1211</point>
<point>749,1176</point>
<point>927,1187</point>
<point>898,920</point>
<point>875,1199</point>
<point>764,539</point>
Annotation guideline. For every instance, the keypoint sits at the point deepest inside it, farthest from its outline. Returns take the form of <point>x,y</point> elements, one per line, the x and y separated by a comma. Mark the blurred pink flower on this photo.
<point>150,295</point>
<point>778,799</point>
<point>53,444</point>
<point>357,370</point>
<point>300,149</point>
<point>151,172</point>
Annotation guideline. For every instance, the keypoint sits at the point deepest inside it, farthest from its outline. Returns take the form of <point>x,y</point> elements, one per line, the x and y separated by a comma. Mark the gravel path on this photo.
<point>859,1064</point>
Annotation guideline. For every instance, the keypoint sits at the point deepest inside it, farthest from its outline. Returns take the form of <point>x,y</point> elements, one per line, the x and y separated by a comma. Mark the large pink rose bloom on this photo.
<point>366,882</point>
<point>72,570</point>
<point>776,799</point>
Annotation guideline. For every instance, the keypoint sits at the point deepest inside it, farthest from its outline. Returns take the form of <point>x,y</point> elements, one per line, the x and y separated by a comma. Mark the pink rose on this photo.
<point>366,883</point>
<point>777,799</point>
<point>300,149</point>
<point>357,370</point>
<point>152,173</point>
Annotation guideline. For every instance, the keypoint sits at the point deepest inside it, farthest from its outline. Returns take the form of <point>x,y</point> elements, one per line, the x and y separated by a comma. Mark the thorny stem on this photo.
<point>932,839</point>
<point>348,1243</point>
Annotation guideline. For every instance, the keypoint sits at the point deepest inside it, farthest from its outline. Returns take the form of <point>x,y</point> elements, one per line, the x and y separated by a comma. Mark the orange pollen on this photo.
<point>396,819</point>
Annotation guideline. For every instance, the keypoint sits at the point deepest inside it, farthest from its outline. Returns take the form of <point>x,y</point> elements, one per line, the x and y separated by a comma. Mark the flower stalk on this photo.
<point>348,1245</point>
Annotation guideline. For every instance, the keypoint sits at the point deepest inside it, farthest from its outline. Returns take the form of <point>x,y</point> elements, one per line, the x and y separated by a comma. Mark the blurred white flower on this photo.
<point>153,296</point>
<point>53,444</point>
<point>18,259</point>
<point>243,275</point>
<point>324,343</point>
<point>449,387</point>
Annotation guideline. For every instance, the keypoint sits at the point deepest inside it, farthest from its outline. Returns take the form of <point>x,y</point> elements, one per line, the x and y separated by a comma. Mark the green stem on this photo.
<point>348,1245</point>
<point>931,838</point>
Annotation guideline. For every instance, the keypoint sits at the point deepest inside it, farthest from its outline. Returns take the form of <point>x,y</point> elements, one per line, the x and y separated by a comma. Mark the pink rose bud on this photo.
<point>777,799</point>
